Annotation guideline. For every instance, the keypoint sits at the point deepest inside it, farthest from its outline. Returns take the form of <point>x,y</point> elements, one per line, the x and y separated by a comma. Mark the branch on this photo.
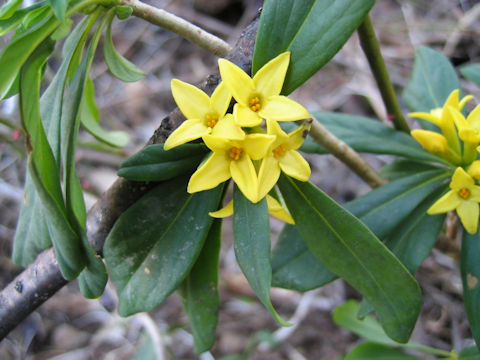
<point>346,154</point>
<point>41,279</point>
<point>371,48</point>
<point>180,27</point>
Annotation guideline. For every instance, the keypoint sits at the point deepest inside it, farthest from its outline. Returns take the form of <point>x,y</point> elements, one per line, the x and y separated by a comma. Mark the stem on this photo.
<point>345,154</point>
<point>179,26</point>
<point>371,48</point>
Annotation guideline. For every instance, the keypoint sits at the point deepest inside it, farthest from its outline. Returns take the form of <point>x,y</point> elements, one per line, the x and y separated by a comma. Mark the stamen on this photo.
<point>254,104</point>
<point>464,193</point>
<point>279,151</point>
<point>235,153</point>
<point>211,120</point>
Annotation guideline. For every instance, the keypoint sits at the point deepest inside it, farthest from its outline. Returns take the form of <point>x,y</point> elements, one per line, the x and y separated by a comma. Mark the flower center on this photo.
<point>211,120</point>
<point>464,193</point>
<point>235,153</point>
<point>279,151</point>
<point>254,104</point>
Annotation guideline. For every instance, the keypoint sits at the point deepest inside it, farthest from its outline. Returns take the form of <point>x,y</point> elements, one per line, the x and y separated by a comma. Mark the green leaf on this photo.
<point>251,231</point>
<point>471,72</point>
<point>8,9</point>
<point>372,351</point>
<point>93,278</point>
<point>120,67</point>
<point>403,168</point>
<point>152,163</point>
<point>349,249</point>
<point>90,118</point>
<point>12,22</point>
<point>470,353</point>
<point>470,269</point>
<point>385,207</point>
<point>59,8</point>
<point>313,30</point>
<point>368,135</point>
<point>153,245</point>
<point>20,48</point>
<point>433,78</point>
<point>294,266</point>
<point>199,291</point>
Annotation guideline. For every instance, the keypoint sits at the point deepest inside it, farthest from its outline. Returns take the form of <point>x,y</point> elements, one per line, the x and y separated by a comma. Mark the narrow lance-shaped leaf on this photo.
<point>12,22</point>
<point>372,351</point>
<point>8,9</point>
<point>59,8</point>
<point>348,248</point>
<point>251,230</point>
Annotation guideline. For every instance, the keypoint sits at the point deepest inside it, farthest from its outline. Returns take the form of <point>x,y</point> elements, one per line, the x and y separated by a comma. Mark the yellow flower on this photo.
<point>282,156</point>
<point>468,131</point>
<point>259,97</point>
<point>463,197</point>
<point>443,118</point>
<point>204,114</point>
<point>436,143</point>
<point>274,208</point>
<point>474,170</point>
<point>232,158</point>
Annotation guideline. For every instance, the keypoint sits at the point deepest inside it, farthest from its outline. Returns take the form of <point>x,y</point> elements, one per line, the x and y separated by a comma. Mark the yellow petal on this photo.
<point>446,203</point>
<point>188,131</point>
<point>268,175</point>
<point>245,117</point>
<point>214,171</point>
<point>281,108</point>
<point>474,169</point>
<point>296,138</point>
<point>219,145</point>
<point>426,116</point>
<point>244,175</point>
<point>469,135</point>
<point>294,165</point>
<point>467,211</point>
<point>279,211</point>
<point>473,118</point>
<point>431,141</point>
<point>227,128</point>
<point>462,102</point>
<point>461,179</point>
<point>257,145</point>
<point>274,129</point>
<point>269,79</point>
<point>452,99</point>
<point>220,100</point>
<point>458,118</point>
<point>192,102</point>
<point>224,212</point>
<point>237,81</point>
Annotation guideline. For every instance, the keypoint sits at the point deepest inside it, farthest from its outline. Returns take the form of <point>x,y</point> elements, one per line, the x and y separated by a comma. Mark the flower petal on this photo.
<point>446,203</point>
<point>430,140</point>
<point>244,175</point>
<point>245,117</point>
<point>268,175</point>
<point>237,81</point>
<point>192,102</point>
<point>219,145</point>
<point>214,171</point>
<point>226,128</point>
<point>188,131</point>
<point>281,108</point>
<point>269,79</point>
<point>474,118</point>
<point>280,212</point>
<point>461,179</point>
<point>224,212</point>
<point>274,129</point>
<point>296,138</point>
<point>220,100</point>
<point>257,145</point>
<point>426,116</point>
<point>458,118</point>
<point>293,164</point>
<point>468,213</point>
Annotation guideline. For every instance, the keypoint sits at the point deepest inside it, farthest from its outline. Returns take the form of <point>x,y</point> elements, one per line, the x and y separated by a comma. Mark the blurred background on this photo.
<point>69,327</point>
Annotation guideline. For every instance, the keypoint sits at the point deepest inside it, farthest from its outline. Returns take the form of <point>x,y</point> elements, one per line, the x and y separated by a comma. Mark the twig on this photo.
<point>179,26</point>
<point>346,154</point>
<point>371,48</point>
<point>42,279</point>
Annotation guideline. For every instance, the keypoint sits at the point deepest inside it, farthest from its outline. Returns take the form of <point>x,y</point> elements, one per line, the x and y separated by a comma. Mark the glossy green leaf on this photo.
<point>251,231</point>
<point>119,66</point>
<point>433,78</point>
<point>90,121</point>
<point>294,266</point>
<point>59,8</point>
<point>368,135</point>
<point>93,279</point>
<point>12,22</point>
<point>8,9</point>
<point>152,163</point>
<point>403,167</point>
<point>470,353</point>
<point>313,30</point>
<point>153,245</point>
<point>373,351</point>
<point>470,269</point>
<point>471,72</point>
<point>199,291</point>
<point>349,249</point>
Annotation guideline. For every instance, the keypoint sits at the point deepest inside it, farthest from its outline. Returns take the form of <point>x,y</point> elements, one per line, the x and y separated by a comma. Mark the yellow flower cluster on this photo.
<point>458,143</point>
<point>242,148</point>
